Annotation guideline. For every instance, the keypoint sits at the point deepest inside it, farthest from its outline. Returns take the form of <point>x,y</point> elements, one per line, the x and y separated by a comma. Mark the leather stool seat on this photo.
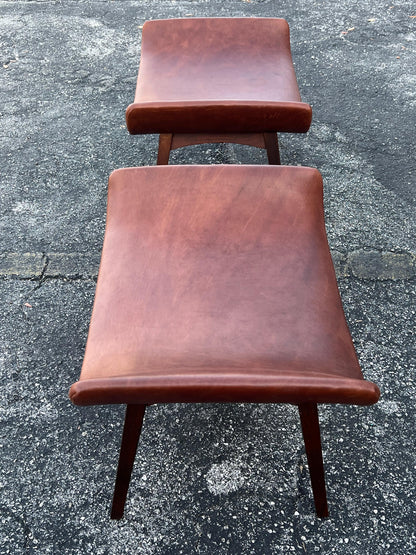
<point>217,80</point>
<point>216,285</point>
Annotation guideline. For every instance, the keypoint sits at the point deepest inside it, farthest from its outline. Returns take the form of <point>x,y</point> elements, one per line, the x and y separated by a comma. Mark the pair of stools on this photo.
<point>216,283</point>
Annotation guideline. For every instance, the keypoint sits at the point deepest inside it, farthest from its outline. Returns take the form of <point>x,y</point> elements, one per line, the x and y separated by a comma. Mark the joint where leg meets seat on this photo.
<point>267,141</point>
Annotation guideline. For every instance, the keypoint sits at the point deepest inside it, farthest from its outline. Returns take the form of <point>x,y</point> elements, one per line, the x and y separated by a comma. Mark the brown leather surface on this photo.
<point>210,75</point>
<point>216,284</point>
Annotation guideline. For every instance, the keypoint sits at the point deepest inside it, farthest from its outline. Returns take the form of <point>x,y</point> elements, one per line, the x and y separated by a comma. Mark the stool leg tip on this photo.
<point>322,511</point>
<point>116,513</point>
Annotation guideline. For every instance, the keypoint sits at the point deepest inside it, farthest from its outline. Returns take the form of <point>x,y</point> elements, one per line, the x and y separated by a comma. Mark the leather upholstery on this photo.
<point>217,75</point>
<point>216,284</point>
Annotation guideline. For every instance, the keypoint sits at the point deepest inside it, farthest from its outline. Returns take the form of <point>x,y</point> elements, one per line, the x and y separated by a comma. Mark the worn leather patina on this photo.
<point>217,75</point>
<point>217,284</point>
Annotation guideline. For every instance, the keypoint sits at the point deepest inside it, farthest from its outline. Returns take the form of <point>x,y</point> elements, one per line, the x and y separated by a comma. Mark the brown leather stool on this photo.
<point>217,80</point>
<point>216,284</point>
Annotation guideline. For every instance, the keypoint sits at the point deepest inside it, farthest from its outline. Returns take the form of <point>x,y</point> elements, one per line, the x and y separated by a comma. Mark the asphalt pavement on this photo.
<point>208,479</point>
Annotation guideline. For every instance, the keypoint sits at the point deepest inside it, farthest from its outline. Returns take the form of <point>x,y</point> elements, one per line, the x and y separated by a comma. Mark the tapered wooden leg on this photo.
<point>165,144</point>
<point>272,147</point>
<point>131,433</point>
<point>312,438</point>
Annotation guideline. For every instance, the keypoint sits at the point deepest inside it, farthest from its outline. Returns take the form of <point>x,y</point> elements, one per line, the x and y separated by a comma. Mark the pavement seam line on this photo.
<point>369,264</point>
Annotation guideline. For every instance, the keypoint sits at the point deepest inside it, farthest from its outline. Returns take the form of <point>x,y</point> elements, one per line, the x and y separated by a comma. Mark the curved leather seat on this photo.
<point>217,75</point>
<point>216,284</point>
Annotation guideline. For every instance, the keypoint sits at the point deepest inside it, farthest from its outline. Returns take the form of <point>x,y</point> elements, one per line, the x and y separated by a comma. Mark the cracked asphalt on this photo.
<point>208,478</point>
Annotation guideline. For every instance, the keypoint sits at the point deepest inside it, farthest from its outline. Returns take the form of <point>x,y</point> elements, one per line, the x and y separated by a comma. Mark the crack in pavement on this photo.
<point>368,264</point>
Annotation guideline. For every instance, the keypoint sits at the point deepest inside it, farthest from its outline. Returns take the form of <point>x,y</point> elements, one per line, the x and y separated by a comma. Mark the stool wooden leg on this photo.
<point>165,144</point>
<point>131,433</point>
<point>312,438</point>
<point>271,144</point>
